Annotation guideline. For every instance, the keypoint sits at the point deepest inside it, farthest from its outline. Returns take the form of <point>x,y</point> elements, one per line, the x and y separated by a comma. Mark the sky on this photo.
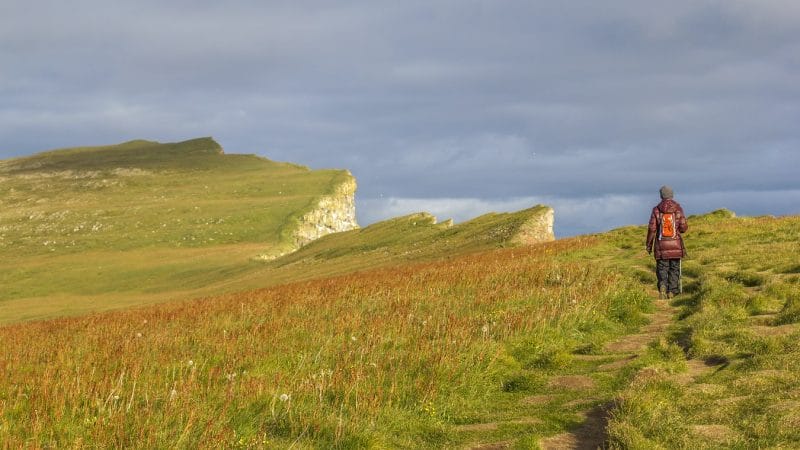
<point>455,107</point>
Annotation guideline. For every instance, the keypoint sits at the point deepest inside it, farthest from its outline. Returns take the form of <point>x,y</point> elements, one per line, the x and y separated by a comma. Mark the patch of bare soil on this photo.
<point>492,426</point>
<point>580,402</point>
<point>616,365</point>
<point>716,433</point>
<point>707,389</point>
<point>630,344</point>
<point>526,421</point>
<point>695,369</point>
<point>493,446</point>
<point>572,382</point>
<point>590,357</point>
<point>538,399</point>
<point>786,405</point>
<point>658,322</point>
<point>472,427</point>
<point>590,435</point>
<point>779,330</point>
<point>761,319</point>
<point>731,400</point>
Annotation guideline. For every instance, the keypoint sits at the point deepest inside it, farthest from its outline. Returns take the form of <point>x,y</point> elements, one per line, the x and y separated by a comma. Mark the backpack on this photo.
<point>667,226</point>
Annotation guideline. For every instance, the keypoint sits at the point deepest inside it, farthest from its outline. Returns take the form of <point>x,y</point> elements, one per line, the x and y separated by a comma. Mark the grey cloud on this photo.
<point>474,100</point>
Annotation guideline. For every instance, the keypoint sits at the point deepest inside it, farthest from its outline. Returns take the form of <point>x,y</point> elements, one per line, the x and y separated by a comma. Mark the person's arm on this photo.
<point>683,225</point>
<point>651,231</point>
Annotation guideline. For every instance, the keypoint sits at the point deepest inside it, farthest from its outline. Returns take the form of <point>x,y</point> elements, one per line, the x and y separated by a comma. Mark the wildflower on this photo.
<point>284,397</point>
<point>116,397</point>
<point>353,338</point>
<point>138,335</point>
<point>231,376</point>
<point>191,363</point>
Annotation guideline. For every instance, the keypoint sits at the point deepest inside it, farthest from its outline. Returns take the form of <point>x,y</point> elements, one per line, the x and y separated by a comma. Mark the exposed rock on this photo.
<point>538,228</point>
<point>333,213</point>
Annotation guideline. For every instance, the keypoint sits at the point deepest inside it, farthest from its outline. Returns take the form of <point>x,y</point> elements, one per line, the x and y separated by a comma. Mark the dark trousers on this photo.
<point>668,272</point>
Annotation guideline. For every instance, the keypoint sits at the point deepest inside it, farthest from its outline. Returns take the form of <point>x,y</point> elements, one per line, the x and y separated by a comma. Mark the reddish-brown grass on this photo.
<point>349,360</point>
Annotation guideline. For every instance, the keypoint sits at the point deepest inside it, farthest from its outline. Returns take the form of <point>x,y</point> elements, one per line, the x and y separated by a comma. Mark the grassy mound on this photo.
<point>103,227</point>
<point>416,237</point>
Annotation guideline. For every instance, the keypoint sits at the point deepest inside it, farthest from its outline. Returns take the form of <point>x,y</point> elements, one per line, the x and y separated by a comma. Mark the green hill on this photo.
<point>451,343</point>
<point>97,228</point>
<point>414,334</point>
<point>416,237</point>
<point>142,221</point>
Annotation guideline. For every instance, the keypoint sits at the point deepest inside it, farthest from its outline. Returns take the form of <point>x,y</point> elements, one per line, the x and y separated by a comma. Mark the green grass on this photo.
<point>99,228</point>
<point>739,268</point>
<point>416,237</point>
<point>400,357</point>
<point>404,334</point>
<point>142,219</point>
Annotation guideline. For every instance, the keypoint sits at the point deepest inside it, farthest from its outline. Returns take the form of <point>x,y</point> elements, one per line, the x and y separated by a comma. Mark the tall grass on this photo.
<point>391,357</point>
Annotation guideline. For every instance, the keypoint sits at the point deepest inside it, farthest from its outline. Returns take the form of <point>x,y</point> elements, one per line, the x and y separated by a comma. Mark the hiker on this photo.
<point>667,223</point>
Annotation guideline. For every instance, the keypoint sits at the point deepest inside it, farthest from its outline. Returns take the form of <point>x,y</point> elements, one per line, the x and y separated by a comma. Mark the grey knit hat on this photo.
<point>666,192</point>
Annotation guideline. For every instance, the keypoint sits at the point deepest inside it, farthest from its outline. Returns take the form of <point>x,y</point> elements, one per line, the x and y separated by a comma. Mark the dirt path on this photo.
<point>581,398</point>
<point>591,434</point>
<point>579,394</point>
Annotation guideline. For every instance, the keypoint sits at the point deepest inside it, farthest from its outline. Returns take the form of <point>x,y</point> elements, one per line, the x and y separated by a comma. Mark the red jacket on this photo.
<point>667,248</point>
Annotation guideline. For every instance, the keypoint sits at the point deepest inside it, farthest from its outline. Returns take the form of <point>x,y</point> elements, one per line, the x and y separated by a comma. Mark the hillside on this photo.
<point>415,238</point>
<point>552,345</point>
<point>100,228</point>
<point>140,221</point>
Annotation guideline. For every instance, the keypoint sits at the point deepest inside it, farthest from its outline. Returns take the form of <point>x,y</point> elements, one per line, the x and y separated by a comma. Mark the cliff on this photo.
<point>536,227</point>
<point>331,213</point>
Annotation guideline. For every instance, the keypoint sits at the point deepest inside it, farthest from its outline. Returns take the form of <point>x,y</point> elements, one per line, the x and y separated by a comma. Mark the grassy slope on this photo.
<point>103,227</point>
<point>441,353</point>
<point>416,237</point>
<point>395,357</point>
<point>737,319</point>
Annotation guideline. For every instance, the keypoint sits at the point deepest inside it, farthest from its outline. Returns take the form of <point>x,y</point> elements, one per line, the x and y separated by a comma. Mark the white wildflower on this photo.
<point>284,397</point>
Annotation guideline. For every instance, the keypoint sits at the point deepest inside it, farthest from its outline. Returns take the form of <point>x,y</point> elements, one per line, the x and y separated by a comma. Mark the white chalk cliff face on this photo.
<point>333,213</point>
<point>538,228</point>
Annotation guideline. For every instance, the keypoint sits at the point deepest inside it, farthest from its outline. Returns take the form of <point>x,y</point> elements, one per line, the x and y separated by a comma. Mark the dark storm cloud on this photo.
<point>460,106</point>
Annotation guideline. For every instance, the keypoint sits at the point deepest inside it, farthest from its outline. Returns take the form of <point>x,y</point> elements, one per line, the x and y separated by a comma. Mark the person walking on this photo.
<point>665,240</point>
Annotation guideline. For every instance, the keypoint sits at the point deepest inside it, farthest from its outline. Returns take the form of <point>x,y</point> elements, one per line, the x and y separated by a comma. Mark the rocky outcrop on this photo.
<point>332,213</point>
<point>537,227</point>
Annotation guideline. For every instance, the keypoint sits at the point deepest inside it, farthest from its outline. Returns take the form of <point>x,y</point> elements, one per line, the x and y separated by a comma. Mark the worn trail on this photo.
<point>580,394</point>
